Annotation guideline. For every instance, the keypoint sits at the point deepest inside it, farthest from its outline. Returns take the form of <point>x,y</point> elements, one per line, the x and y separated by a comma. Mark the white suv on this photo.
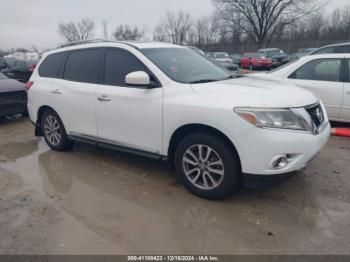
<point>167,102</point>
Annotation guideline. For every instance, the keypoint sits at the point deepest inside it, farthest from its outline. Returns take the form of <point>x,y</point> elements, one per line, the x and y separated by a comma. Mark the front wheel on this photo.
<point>207,166</point>
<point>54,132</point>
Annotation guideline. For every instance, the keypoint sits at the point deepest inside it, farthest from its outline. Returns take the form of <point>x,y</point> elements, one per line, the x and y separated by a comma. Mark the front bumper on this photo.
<point>258,147</point>
<point>264,181</point>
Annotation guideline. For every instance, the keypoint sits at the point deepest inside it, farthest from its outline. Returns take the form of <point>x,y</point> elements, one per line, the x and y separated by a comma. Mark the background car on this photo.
<point>333,49</point>
<point>13,97</point>
<point>306,50</point>
<point>18,69</point>
<point>2,63</point>
<point>31,64</point>
<point>236,58</point>
<point>292,57</point>
<point>255,61</point>
<point>223,59</point>
<point>220,56</point>
<point>197,50</point>
<point>327,76</point>
<point>276,54</point>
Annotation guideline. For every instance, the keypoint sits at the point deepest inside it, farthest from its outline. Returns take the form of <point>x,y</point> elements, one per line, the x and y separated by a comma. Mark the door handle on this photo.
<point>56,91</point>
<point>103,98</point>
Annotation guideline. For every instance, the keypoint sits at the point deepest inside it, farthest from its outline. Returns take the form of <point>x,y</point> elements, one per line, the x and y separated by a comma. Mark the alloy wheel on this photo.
<point>52,130</point>
<point>203,167</point>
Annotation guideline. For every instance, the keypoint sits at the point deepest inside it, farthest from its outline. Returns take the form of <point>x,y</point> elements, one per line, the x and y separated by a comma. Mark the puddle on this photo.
<point>118,203</point>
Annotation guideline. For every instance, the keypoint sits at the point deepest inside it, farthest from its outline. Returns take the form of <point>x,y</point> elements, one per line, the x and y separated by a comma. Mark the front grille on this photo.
<point>316,114</point>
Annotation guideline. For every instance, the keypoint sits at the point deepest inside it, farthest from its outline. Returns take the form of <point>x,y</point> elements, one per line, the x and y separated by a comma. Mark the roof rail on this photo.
<point>92,41</point>
<point>80,42</point>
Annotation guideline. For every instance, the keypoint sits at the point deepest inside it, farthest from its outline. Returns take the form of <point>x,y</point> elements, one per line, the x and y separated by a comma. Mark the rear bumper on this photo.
<point>13,109</point>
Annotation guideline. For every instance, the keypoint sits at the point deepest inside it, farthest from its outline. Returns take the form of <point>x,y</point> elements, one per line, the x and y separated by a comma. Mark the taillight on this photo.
<point>28,85</point>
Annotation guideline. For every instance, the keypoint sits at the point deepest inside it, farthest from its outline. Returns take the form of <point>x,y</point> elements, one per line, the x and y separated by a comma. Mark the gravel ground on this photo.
<point>96,201</point>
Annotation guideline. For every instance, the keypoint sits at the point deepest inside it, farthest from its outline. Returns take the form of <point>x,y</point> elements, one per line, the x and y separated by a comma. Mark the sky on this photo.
<point>24,23</point>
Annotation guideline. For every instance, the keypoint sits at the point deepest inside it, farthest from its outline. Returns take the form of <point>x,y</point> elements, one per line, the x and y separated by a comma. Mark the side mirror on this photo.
<point>139,78</point>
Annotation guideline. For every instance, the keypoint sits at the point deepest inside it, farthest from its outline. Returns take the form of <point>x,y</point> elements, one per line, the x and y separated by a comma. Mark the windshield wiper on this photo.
<point>201,81</point>
<point>232,77</point>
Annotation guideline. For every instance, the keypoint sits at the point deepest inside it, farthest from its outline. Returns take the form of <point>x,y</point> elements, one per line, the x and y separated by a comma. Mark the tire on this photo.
<point>55,134</point>
<point>198,182</point>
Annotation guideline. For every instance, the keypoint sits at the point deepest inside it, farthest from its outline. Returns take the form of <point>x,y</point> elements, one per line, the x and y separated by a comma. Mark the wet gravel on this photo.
<point>97,201</point>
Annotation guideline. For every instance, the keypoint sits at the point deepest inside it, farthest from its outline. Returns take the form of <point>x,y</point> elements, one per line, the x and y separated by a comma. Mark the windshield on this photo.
<point>274,53</point>
<point>222,55</point>
<point>2,76</point>
<point>186,66</point>
<point>259,56</point>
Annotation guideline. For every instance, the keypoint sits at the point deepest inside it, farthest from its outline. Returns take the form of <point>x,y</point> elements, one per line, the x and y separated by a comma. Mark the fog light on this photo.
<point>280,162</point>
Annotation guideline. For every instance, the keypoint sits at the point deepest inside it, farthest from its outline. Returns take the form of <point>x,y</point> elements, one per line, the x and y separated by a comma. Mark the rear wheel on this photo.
<point>54,132</point>
<point>207,166</point>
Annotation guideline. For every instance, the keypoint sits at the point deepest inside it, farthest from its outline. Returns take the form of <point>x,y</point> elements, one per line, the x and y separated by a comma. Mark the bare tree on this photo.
<point>338,27</point>
<point>81,30</point>
<point>105,30</point>
<point>125,32</point>
<point>159,34</point>
<point>35,49</point>
<point>175,26</point>
<point>261,20</point>
<point>205,31</point>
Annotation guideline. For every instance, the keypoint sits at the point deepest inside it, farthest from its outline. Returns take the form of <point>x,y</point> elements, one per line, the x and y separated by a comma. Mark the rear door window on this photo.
<point>319,70</point>
<point>52,65</point>
<point>326,50</point>
<point>83,66</point>
<point>342,49</point>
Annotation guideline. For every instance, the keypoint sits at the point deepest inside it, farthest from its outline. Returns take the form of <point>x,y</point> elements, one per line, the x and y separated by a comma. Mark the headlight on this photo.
<point>273,118</point>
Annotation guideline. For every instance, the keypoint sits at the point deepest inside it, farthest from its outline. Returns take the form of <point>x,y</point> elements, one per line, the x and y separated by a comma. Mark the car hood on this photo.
<point>254,92</point>
<point>10,85</point>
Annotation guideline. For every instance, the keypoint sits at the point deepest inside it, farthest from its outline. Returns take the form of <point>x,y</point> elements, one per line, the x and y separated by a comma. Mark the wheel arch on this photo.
<point>41,110</point>
<point>185,130</point>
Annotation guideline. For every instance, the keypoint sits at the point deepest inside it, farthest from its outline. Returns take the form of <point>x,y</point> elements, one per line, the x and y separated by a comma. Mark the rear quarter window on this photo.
<point>52,65</point>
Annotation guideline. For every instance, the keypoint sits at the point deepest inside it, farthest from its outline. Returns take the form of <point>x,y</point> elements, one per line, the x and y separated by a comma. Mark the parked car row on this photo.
<point>270,57</point>
<point>18,69</point>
